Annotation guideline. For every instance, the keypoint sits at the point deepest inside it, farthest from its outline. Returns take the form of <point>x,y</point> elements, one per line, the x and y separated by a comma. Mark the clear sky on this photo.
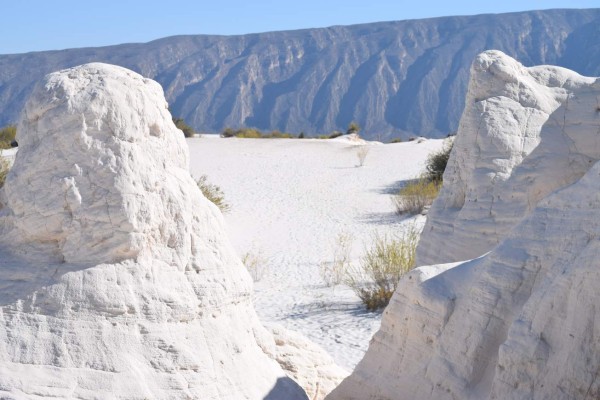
<point>33,25</point>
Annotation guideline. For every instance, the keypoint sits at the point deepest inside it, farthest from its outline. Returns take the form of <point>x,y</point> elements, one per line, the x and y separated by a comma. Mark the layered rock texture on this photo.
<point>116,278</point>
<point>525,133</point>
<point>521,193</point>
<point>394,78</point>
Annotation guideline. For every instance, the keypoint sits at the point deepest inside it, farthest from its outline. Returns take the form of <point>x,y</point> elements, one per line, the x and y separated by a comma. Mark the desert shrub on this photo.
<point>376,277</point>
<point>255,263</point>
<point>278,135</point>
<point>248,133</point>
<point>4,168</point>
<point>227,133</point>
<point>7,136</point>
<point>352,128</point>
<point>187,130</point>
<point>252,133</point>
<point>333,272</point>
<point>213,193</point>
<point>437,162</point>
<point>415,196</point>
<point>361,153</point>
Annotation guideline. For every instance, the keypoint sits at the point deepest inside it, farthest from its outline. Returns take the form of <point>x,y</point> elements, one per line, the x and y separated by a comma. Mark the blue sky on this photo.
<point>33,25</point>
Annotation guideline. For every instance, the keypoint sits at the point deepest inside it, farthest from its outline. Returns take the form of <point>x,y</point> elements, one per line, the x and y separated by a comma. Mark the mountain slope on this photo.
<point>393,78</point>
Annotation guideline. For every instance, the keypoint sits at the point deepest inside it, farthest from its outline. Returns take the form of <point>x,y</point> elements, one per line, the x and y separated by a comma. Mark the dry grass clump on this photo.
<point>213,193</point>
<point>333,272</point>
<point>376,277</point>
<point>437,162</point>
<point>415,196</point>
<point>252,133</point>
<point>361,153</point>
<point>256,264</point>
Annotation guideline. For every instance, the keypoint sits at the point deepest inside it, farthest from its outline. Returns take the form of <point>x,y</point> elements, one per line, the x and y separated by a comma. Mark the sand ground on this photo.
<point>290,199</point>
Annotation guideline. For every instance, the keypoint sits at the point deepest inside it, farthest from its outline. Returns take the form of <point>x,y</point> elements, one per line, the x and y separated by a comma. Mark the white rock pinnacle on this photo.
<point>525,132</point>
<point>520,322</point>
<point>116,278</point>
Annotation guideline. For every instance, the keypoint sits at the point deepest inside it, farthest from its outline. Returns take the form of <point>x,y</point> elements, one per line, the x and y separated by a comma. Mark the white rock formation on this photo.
<point>521,321</point>
<point>520,138</point>
<point>116,278</point>
<point>306,363</point>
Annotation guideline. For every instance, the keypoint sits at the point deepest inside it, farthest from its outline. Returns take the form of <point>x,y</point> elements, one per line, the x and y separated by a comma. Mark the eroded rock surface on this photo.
<point>525,133</point>
<point>520,321</point>
<point>116,278</point>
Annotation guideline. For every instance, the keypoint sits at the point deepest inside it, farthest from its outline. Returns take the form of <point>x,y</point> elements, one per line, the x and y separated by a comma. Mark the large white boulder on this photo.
<point>525,132</point>
<point>116,278</point>
<point>519,322</point>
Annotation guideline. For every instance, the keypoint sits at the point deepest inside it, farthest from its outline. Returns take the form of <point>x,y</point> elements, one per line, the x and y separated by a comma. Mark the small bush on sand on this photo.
<point>381,267</point>
<point>213,193</point>
<point>437,162</point>
<point>333,272</point>
<point>353,127</point>
<point>256,265</point>
<point>248,133</point>
<point>187,130</point>
<point>361,153</point>
<point>278,135</point>
<point>7,136</point>
<point>415,196</point>
<point>252,133</point>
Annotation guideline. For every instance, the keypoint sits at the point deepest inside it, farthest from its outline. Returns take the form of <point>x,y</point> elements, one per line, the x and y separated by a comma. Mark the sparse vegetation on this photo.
<point>361,153</point>
<point>437,162</point>
<point>333,272</point>
<point>252,133</point>
<point>396,140</point>
<point>352,128</point>
<point>415,196</point>
<point>255,264</point>
<point>213,193</point>
<point>7,136</point>
<point>187,130</point>
<point>375,279</point>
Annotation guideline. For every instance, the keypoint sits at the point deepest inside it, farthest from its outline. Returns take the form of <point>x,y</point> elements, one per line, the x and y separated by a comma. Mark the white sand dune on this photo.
<point>290,199</point>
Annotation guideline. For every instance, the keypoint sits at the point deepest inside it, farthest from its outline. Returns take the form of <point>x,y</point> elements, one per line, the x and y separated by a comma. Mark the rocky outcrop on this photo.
<point>116,278</point>
<point>306,363</point>
<point>401,78</point>
<point>525,133</point>
<point>520,321</point>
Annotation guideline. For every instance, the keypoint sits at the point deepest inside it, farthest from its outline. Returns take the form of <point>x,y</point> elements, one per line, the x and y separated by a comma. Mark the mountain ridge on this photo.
<point>395,78</point>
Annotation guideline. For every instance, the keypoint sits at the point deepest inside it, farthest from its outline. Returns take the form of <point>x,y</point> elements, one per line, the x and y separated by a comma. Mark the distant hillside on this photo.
<point>393,78</point>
